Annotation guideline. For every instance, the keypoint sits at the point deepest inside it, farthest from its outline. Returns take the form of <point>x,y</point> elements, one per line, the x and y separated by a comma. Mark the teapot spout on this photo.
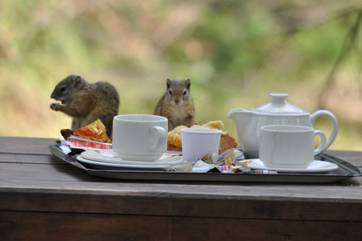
<point>243,122</point>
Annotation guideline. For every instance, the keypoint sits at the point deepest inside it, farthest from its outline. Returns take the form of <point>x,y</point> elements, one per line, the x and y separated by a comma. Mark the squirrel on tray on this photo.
<point>176,104</point>
<point>86,102</point>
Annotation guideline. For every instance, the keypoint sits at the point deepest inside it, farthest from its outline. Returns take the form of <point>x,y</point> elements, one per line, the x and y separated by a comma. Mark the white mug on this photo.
<point>198,142</point>
<point>289,146</point>
<point>140,137</point>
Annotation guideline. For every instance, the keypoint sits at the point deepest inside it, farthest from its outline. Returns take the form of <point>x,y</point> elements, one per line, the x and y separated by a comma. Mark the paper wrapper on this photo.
<point>95,131</point>
<point>85,144</point>
<point>93,136</point>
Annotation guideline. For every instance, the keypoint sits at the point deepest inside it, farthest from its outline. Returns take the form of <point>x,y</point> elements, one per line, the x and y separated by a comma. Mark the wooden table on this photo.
<point>43,198</point>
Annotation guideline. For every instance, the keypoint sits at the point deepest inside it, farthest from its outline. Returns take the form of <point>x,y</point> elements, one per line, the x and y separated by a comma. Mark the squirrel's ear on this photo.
<point>168,83</point>
<point>78,80</point>
<point>188,83</point>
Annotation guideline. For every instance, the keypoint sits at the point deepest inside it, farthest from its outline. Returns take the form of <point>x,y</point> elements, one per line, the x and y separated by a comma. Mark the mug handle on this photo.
<point>161,134</point>
<point>331,118</point>
<point>323,145</point>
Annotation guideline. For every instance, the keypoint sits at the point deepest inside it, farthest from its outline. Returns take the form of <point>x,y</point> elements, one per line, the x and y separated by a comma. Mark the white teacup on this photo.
<point>140,137</point>
<point>288,146</point>
<point>198,142</point>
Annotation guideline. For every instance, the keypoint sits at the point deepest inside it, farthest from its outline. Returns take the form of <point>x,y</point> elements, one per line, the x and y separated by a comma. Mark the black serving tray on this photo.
<point>345,171</point>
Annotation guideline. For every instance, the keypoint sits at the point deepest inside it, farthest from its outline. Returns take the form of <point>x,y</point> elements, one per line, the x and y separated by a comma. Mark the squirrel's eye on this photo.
<point>62,89</point>
<point>185,92</point>
<point>170,92</point>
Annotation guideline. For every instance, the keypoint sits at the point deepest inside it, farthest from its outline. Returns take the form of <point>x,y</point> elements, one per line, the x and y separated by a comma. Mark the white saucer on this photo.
<point>111,159</point>
<point>181,165</point>
<point>314,166</point>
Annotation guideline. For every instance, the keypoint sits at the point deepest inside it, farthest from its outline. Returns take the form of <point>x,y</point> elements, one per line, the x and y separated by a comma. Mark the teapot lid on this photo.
<point>279,105</point>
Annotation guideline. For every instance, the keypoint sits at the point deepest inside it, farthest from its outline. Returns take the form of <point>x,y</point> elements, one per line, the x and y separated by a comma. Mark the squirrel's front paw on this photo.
<point>55,106</point>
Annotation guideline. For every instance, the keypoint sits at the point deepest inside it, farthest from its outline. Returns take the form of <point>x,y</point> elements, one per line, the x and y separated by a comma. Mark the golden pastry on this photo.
<point>227,142</point>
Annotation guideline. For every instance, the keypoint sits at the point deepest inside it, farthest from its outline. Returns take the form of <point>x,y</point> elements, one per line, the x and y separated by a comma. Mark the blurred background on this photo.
<point>235,52</point>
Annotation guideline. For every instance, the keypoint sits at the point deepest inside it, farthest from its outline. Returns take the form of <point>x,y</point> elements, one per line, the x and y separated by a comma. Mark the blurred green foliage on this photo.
<point>235,52</point>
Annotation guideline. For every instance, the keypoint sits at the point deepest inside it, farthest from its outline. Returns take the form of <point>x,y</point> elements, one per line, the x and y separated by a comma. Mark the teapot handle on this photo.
<point>332,118</point>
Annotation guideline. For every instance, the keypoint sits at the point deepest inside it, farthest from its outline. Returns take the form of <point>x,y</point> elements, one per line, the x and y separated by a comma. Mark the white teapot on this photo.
<point>278,112</point>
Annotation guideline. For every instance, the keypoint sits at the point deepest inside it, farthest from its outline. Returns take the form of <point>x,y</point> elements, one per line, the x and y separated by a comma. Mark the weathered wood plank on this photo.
<point>25,145</point>
<point>354,157</point>
<point>23,175</point>
<point>349,155</point>
<point>63,226</point>
<point>255,230</point>
<point>57,226</point>
<point>30,159</point>
<point>182,206</point>
<point>68,179</point>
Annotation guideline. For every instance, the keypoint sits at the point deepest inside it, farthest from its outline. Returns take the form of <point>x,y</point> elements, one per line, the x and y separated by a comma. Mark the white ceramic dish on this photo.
<point>289,145</point>
<point>315,166</point>
<point>139,137</point>
<point>109,156</point>
<point>197,142</point>
<point>180,166</point>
